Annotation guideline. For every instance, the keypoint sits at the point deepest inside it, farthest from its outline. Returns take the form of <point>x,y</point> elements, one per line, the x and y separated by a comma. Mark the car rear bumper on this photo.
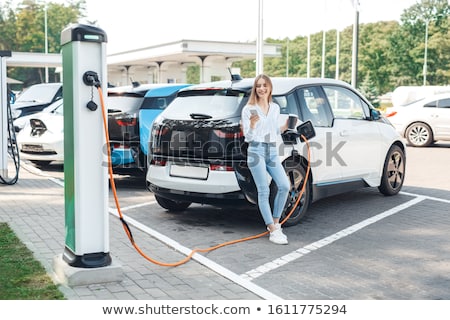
<point>216,182</point>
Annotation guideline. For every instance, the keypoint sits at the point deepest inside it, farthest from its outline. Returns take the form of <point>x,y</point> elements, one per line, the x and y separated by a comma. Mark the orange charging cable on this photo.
<point>188,257</point>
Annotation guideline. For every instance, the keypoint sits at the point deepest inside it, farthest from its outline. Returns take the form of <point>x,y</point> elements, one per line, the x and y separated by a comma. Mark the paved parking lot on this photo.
<point>360,245</point>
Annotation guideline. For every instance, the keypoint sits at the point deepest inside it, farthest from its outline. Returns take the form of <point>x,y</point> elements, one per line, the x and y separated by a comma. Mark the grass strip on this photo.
<point>21,276</point>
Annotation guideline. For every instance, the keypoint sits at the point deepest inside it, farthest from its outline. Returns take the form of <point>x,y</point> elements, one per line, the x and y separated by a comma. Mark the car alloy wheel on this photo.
<point>296,174</point>
<point>419,135</point>
<point>393,172</point>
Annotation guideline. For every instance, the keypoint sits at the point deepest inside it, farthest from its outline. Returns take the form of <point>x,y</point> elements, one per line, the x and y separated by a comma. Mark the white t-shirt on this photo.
<point>267,128</point>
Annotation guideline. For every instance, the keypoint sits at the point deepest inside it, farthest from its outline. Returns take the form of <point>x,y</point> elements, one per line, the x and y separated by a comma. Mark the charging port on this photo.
<point>90,78</point>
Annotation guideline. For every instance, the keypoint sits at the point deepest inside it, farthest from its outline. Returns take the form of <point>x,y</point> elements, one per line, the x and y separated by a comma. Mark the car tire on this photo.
<point>171,205</point>
<point>419,134</point>
<point>296,174</point>
<point>393,172</point>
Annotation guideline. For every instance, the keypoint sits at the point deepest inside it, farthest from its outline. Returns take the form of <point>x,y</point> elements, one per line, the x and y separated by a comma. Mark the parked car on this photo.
<point>155,101</point>
<point>131,111</point>
<point>42,138</point>
<point>195,150</point>
<point>20,122</point>
<point>124,129</point>
<point>424,121</point>
<point>35,98</point>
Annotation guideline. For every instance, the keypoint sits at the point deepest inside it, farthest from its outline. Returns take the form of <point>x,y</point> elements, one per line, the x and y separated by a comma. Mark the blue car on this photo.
<point>130,151</point>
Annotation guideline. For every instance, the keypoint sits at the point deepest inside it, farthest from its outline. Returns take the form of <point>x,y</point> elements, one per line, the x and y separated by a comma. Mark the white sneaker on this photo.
<point>278,226</point>
<point>278,237</point>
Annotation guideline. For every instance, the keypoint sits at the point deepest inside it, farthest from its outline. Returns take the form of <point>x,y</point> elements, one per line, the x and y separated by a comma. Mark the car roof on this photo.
<point>437,96</point>
<point>139,90</point>
<point>165,90</point>
<point>426,99</point>
<point>281,85</point>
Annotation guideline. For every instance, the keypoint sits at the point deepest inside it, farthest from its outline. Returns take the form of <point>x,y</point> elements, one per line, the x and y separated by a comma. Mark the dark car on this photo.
<point>196,153</point>
<point>131,110</point>
<point>36,98</point>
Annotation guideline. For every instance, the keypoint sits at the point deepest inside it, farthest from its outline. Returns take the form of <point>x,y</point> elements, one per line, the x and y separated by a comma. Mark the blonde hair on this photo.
<point>253,96</point>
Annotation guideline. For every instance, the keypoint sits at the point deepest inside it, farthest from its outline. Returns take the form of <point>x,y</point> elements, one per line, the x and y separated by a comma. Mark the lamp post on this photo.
<point>355,44</point>
<point>425,54</point>
<point>46,40</point>
<point>427,22</point>
<point>259,41</point>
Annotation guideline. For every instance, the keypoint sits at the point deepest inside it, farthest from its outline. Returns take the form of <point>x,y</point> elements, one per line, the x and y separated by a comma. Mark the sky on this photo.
<point>135,24</point>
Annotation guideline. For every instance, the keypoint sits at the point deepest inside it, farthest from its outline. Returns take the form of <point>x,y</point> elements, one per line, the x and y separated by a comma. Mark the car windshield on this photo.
<point>215,103</point>
<point>38,94</point>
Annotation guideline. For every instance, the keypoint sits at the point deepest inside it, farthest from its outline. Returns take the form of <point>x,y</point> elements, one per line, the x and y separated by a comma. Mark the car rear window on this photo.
<point>217,103</point>
<point>123,103</point>
<point>157,103</point>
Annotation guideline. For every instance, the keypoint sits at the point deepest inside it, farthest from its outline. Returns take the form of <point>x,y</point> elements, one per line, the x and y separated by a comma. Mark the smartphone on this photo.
<point>253,112</point>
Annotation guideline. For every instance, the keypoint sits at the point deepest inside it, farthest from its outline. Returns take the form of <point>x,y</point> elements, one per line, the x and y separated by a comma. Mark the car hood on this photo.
<point>25,104</point>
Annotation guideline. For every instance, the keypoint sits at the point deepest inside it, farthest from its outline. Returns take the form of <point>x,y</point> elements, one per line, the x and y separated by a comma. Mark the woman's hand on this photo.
<point>254,118</point>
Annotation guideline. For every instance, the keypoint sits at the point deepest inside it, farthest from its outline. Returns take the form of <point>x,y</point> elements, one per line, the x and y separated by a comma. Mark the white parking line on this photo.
<point>261,292</point>
<point>133,206</point>
<point>294,255</point>
<point>426,197</point>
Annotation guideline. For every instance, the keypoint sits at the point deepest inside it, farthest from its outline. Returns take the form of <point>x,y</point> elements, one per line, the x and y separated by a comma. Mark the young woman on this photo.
<point>260,126</point>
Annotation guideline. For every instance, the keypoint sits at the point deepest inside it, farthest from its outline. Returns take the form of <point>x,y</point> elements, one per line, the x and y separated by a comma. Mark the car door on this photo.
<point>313,107</point>
<point>356,139</point>
<point>438,113</point>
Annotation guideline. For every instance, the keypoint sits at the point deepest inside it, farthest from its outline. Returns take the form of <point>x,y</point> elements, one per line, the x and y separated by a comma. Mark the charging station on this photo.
<point>85,161</point>
<point>3,115</point>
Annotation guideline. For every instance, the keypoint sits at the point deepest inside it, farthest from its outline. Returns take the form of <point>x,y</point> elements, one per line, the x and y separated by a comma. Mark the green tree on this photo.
<point>408,44</point>
<point>23,29</point>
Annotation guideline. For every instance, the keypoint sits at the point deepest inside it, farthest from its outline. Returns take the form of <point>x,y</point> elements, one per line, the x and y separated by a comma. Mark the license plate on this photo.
<point>192,172</point>
<point>32,147</point>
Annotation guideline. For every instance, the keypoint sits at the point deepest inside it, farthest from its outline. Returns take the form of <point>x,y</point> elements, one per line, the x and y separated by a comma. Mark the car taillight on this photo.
<point>228,135</point>
<point>158,131</point>
<point>120,146</point>
<point>159,163</point>
<point>220,167</point>
<point>391,114</point>
<point>126,122</point>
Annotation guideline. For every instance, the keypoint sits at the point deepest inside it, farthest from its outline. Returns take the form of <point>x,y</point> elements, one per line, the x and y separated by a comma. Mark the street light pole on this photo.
<point>259,41</point>
<point>46,40</point>
<point>355,44</point>
<point>425,54</point>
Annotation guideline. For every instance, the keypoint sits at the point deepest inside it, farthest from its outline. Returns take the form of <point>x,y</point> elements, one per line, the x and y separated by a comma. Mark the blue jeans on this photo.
<point>262,159</point>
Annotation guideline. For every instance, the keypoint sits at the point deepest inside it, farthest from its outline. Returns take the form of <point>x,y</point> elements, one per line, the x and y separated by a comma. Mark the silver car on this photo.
<point>424,121</point>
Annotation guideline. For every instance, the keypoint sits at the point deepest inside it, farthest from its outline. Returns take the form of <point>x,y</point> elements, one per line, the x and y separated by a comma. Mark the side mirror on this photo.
<point>375,114</point>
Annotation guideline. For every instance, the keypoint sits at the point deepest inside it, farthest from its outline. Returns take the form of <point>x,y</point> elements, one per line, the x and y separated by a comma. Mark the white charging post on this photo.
<point>3,115</point>
<point>85,162</point>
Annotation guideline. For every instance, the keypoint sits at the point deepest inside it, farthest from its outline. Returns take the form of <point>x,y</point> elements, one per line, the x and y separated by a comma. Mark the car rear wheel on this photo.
<point>419,135</point>
<point>296,174</point>
<point>393,172</point>
<point>172,205</point>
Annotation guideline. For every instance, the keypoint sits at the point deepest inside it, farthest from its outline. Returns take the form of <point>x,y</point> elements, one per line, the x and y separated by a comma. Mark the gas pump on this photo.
<point>85,163</point>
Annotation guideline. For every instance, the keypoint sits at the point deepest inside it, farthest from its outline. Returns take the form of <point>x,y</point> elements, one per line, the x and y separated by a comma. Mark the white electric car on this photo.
<point>42,138</point>
<point>196,155</point>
